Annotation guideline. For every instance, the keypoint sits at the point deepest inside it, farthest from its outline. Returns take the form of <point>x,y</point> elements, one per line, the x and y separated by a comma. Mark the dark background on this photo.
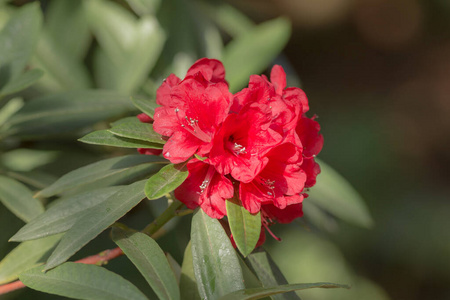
<point>377,73</point>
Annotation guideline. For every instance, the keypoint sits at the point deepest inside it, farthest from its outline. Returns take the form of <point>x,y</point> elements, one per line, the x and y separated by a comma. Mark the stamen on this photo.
<point>239,149</point>
<point>205,184</point>
<point>271,233</point>
<point>193,127</point>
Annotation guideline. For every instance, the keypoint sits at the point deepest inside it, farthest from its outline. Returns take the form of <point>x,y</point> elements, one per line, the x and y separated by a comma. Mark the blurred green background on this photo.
<point>377,73</point>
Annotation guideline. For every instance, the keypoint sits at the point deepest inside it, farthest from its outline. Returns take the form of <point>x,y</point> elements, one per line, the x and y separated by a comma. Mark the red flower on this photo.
<point>192,110</point>
<point>206,188</point>
<point>279,183</point>
<point>241,143</point>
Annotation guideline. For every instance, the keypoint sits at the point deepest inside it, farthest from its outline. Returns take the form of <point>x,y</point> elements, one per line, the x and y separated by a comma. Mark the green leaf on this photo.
<point>138,131</point>
<point>23,159</point>
<point>62,71</point>
<point>22,82</point>
<point>18,199</point>
<point>35,179</point>
<point>268,273</point>
<point>111,171</point>
<point>245,227</point>
<point>18,39</point>
<point>130,47</point>
<point>146,106</point>
<point>25,256</point>
<point>64,112</point>
<point>66,22</point>
<point>216,266</point>
<point>188,283</point>
<point>95,221</point>
<point>175,266</point>
<point>62,215</point>
<point>125,120</point>
<point>251,52</point>
<point>230,19</point>
<point>259,293</point>
<point>144,7</point>
<point>107,138</point>
<point>250,279</point>
<point>334,194</point>
<point>165,181</point>
<point>9,109</point>
<point>81,281</point>
<point>150,260</point>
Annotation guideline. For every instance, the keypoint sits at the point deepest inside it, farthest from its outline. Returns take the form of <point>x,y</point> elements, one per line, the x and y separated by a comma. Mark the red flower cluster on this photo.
<point>257,143</point>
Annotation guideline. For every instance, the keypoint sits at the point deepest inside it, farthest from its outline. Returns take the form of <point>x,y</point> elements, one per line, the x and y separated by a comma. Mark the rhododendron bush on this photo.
<point>199,167</point>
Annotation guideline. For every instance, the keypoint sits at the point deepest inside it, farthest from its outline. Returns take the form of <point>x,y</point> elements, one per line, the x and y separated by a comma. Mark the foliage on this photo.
<point>50,98</point>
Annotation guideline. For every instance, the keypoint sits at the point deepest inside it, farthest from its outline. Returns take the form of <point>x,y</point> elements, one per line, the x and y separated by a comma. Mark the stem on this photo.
<point>165,217</point>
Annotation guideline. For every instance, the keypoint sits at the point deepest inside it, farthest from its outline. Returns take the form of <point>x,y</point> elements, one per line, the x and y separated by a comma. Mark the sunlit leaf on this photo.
<point>129,47</point>
<point>251,52</point>
<point>64,112</point>
<point>137,131</point>
<point>9,109</point>
<point>95,221</point>
<point>334,194</point>
<point>25,256</point>
<point>107,138</point>
<point>150,260</point>
<point>259,293</point>
<point>117,170</point>
<point>18,199</point>
<point>62,215</point>
<point>245,227</point>
<point>144,7</point>
<point>81,281</point>
<point>18,39</point>
<point>165,181</point>
<point>216,266</point>
<point>66,22</point>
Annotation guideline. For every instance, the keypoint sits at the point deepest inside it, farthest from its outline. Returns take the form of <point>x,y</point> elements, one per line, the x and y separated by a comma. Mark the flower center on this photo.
<point>191,126</point>
<point>205,184</point>
<point>235,147</point>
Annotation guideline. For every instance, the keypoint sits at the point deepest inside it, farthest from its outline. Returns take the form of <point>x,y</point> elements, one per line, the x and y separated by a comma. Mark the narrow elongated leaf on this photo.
<point>146,106</point>
<point>25,256</point>
<point>129,47</point>
<point>244,226</point>
<point>9,109</point>
<point>259,293</point>
<point>251,52</point>
<point>107,138</point>
<point>98,219</point>
<point>62,71</point>
<point>81,281</point>
<point>117,170</point>
<point>61,216</point>
<point>125,120</point>
<point>334,194</point>
<point>19,200</point>
<point>66,22</point>
<point>165,181</point>
<point>144,7</point>
<point>63,112</point>
<point>138,131</point>
<point>36,179</point>
<point>18,39</point>
<point>175,266</point>
<point>22,82</point>
<point>188,283</point>
<point>269,274</point>
<point>150,260</point>
<point>250,279</point>
<point>216,266</point>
